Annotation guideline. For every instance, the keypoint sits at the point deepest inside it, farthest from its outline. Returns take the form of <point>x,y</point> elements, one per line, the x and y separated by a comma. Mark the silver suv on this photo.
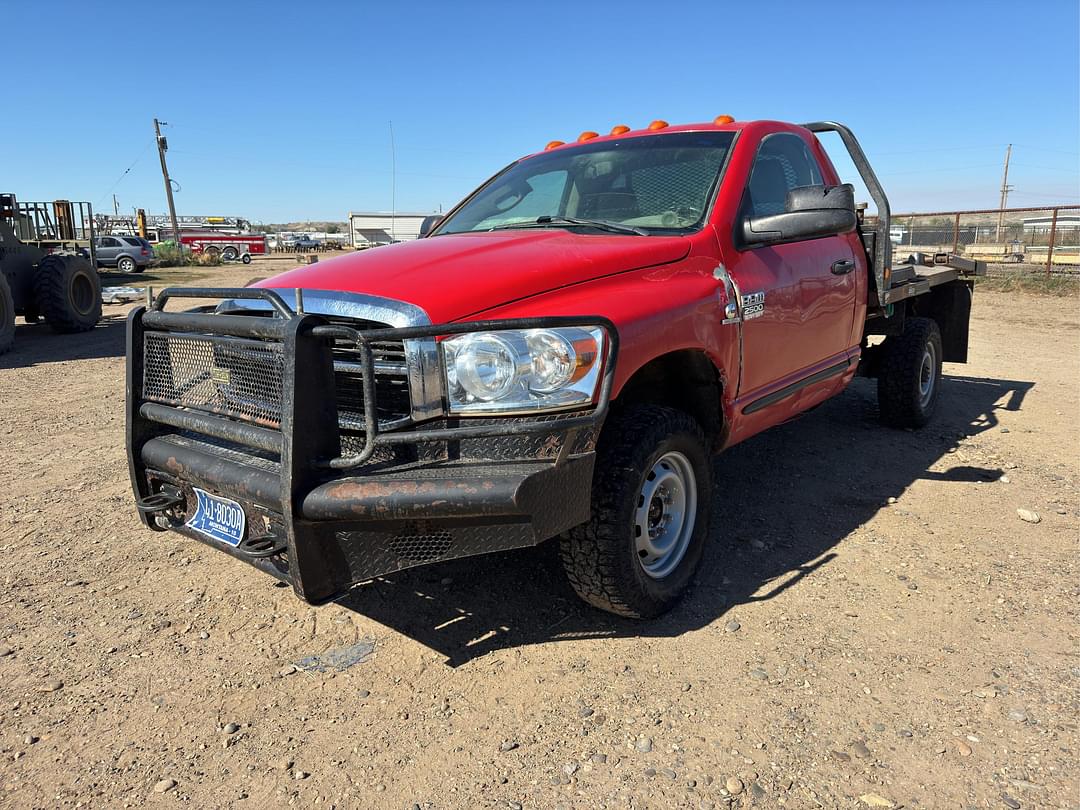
<point>128,254</point>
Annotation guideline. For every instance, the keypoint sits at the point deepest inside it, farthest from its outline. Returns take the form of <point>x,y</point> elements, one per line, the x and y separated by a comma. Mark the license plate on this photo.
<point>219,518</point>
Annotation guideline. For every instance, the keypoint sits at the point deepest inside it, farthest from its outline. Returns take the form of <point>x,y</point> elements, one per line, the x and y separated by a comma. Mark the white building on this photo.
<point>367,229</point>
<point>1042,224</point>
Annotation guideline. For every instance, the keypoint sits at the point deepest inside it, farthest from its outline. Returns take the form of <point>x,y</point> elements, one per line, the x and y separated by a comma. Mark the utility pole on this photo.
<point>393,187</point>
<point>115,205</point>
<point>1005,189</point>
<point>162,147</point>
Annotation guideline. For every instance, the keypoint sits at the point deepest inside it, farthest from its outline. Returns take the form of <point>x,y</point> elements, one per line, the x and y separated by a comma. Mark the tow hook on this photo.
<point>161,501</point>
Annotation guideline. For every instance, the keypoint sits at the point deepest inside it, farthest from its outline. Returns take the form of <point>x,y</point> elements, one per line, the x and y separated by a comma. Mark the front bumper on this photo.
<point>322,520</point>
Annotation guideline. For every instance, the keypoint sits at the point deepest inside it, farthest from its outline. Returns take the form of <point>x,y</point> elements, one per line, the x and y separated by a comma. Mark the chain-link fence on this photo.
<point>1047,238</point>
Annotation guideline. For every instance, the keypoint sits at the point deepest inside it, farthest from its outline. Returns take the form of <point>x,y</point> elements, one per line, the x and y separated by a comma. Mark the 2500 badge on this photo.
<point>753,305</point>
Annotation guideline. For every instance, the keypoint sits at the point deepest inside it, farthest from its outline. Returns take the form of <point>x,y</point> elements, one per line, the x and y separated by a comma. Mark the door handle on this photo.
<point>842,267</point>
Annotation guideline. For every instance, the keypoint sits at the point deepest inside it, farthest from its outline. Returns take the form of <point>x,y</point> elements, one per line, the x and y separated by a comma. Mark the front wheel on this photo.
<point>638,553</point>
<point>909,380</point>
<point>246,258</point>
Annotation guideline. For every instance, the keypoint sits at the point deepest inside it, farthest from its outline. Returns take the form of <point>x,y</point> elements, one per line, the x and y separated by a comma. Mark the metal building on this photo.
<point>382,227</point>
<point>1042,224</point>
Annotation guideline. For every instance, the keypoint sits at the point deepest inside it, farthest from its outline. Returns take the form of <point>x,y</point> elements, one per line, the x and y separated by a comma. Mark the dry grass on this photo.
<point>1035,284</point>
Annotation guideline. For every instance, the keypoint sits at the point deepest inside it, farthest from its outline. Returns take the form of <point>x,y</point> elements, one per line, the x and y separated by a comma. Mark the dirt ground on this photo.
<point>873,625</point>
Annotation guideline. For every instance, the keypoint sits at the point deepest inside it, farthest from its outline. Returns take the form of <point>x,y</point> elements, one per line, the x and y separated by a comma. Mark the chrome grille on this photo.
<point>391,379</point>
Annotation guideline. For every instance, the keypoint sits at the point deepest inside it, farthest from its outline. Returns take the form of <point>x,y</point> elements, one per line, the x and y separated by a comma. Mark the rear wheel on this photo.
<point>126,264</point>
<point>651,492</point>
<point>229,254</point>
<point>68,292</point>
<point>909,380</point>
<point>7,316</point>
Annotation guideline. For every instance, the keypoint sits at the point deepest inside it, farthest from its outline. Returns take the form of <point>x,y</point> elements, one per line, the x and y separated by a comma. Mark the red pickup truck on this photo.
<point>559,356</point>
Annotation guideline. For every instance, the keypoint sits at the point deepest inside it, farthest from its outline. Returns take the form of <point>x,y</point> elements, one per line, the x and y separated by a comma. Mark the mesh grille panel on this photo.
<point>421,547</point>
<point>236,378</point>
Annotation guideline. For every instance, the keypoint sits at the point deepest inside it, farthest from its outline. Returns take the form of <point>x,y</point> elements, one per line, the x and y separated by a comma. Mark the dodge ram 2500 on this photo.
<point>558,356</point>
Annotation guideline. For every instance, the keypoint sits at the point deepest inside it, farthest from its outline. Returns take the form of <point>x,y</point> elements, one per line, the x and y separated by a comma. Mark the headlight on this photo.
<point>522,370</point>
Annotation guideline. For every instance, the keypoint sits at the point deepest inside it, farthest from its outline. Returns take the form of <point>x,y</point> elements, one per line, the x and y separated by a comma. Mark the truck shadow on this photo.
<point>36,344</point>
<point>782,502</point>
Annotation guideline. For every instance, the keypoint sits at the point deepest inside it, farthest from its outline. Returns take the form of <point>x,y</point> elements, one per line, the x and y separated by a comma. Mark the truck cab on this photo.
<point>558,356</point>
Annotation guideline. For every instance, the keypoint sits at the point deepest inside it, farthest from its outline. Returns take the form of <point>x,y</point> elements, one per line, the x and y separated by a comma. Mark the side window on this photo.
<point>544,197</point>
<point>541,195</point>
<point>108,241</point>
<point>783,162</point>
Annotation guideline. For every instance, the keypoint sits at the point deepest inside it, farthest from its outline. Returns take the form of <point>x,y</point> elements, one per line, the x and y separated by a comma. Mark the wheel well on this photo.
<point>687,380</point>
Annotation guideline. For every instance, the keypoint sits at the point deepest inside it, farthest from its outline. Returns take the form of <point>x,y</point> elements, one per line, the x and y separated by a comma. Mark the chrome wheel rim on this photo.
<point>665,515</point>
<point>927,375</point>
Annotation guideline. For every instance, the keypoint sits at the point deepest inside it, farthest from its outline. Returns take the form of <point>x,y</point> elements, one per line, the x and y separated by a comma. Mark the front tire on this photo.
<point>650,513</point>
<point>68,292</point>
<point>909,380</point>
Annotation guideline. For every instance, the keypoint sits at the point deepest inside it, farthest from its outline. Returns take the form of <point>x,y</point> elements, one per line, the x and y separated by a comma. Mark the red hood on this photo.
<point>454,276</point>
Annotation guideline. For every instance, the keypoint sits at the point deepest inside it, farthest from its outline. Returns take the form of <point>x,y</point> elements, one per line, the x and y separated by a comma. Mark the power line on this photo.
<point>125,173</point>
<point>1049,149</point>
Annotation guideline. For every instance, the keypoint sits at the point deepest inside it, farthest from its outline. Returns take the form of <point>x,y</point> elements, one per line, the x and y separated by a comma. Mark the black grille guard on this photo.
<point>309,436</point>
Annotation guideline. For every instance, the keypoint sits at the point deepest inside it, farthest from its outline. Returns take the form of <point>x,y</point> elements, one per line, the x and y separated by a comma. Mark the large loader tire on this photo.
<point>7,316</point>
<point>68,292</point>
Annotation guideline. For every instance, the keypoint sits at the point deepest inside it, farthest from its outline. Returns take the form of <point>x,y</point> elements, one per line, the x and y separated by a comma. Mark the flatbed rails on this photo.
<point>922,272</point>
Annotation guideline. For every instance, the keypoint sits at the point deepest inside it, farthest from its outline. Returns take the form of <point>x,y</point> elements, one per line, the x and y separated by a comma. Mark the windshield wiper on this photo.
<point>548,220</point>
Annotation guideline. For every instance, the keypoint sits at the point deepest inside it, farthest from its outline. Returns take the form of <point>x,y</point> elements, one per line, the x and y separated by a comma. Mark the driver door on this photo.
<point>798,308</point>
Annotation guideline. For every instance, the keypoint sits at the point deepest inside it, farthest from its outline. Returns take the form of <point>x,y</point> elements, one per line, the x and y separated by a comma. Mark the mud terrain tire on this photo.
<point>603,558</point>
<point>909,380</point>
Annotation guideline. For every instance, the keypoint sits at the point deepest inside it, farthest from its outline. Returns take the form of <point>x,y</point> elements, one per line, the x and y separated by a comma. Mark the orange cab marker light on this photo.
<point>619,129</point>
<point>658,124</point>
<point>723,119</point>
<point>553,144</point>
<point>587,135</point>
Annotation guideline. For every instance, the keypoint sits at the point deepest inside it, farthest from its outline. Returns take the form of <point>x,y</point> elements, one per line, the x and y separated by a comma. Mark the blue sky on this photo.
<point>282,111</point>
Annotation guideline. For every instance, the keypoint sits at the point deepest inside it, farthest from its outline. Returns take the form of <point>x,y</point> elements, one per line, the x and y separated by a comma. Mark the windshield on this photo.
<point>659,183</point>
